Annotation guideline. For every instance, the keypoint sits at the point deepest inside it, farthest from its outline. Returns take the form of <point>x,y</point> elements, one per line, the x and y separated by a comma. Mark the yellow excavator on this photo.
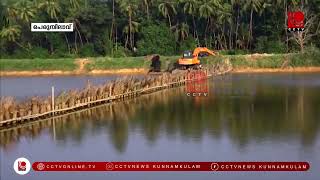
<point>191,59</point>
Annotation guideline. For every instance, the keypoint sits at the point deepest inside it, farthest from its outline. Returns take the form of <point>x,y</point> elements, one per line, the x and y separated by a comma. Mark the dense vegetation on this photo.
<point>119,28</point>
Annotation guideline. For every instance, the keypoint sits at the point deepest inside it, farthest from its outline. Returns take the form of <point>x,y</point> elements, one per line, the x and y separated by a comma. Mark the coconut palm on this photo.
<point>224,18</point>
<point>11,33</point>
<point>191,7</point>
<point>146,4</point>
<point>253,6</point>
<point>167,9</point>
<point>75,4</point>
<point>3,19</point>
<point>113,29</point>
<point>8,14</point>
<point>129,7</point>
<point>25,10</point>
<point>52,7</point>
<point>206,10</point>
<point>236,4</point>
<point>181,31</point>
<point>130,29</point>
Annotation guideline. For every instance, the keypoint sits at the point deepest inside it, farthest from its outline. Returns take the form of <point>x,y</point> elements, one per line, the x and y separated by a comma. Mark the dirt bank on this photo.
<point>81,63</point>
<point>277,70</point>
<point>120,71</point>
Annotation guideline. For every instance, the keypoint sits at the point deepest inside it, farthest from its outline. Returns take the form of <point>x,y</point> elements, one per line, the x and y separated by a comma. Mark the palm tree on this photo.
<point>25,10</point>
<point>167,9</point>
<point>75,4</point>
<point>147,4</point>
<point>224,17</point>
<point>8,14</point>
<point>133,29</point>
<point>11,33</point>
<point>72,17</point>
<point>206,10</point>
<point>191,7</point>
<point>3,19</point>
<point>113,31</point>
<point>252,5</point>
<point>129,7</point>
<point>52,7</point>
<point>237,5</point>
<point>181,31</point>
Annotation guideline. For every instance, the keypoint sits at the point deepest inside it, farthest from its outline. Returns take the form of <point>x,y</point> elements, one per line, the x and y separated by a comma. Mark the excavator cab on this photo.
<point>188,54</point>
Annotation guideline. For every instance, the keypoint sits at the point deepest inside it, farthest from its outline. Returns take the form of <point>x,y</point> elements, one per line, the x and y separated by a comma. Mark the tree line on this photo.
<point>141,27</point>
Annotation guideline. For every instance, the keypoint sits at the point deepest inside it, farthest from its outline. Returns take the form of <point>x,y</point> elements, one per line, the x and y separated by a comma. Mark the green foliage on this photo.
<point>36,64</point>
<point>310,57</point>
<point>38,52</point>
<point>106,44</point>
<point>116,63</point>
<point>264,45</point>
<point>163,27</point>
<point>247,61</point>
<point>275,61</point>
<point>234,52</point>
<point>2,49</point>
<point>60,52</point>
<point>87,50</point>
<point>189,44</point>
<point>120,51</point>
<point>128,62</point>
<point>156,39</point>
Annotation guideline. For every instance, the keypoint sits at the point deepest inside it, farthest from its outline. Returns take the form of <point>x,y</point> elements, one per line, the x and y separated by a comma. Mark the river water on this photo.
<point>23,87</point>
<point>246,117</point>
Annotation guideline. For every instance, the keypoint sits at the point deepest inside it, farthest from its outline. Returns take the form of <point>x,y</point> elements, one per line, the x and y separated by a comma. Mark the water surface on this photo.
<point>247,117</point>
<point>23,87</point>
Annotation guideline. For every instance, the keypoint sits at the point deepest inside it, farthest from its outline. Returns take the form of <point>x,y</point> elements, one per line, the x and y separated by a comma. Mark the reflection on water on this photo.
<point>263,109</point>
<point>246,110</point>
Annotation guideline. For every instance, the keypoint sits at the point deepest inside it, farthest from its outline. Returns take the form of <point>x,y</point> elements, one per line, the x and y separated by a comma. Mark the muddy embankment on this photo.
<point>248,67</point>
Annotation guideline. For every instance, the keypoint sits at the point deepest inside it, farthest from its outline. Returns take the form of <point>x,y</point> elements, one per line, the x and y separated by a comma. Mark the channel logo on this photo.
<point>22,166</point>
<point>295,21</point>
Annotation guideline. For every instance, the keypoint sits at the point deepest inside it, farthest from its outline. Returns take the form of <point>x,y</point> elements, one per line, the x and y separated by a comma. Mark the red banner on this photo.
<point>170,166</point>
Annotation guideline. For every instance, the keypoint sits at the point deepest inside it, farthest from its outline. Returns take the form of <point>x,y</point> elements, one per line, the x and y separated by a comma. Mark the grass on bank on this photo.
<point>37,64</point>
<point>107,63</point>
<point>269,61</point>
<point>311,57</point>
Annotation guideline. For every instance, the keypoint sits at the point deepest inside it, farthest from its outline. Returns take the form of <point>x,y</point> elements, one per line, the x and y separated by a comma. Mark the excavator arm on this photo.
<point>199,50</point>
<point>191,59</point>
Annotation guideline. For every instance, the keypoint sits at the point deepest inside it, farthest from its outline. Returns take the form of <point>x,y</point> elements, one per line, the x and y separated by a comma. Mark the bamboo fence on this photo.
<point>12,113</point>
